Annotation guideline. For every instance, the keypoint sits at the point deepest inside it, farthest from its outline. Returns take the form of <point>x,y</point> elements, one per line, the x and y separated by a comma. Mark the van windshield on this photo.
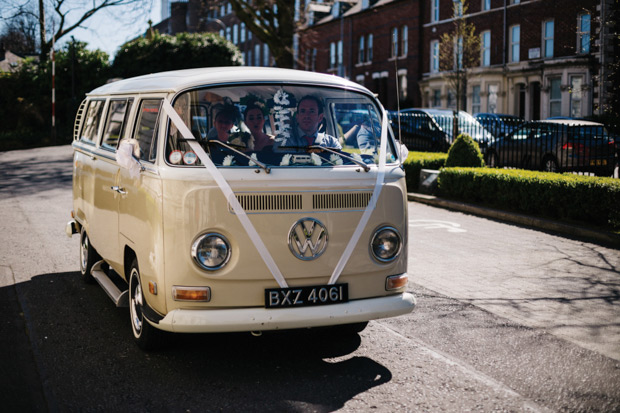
<point>278,125</point>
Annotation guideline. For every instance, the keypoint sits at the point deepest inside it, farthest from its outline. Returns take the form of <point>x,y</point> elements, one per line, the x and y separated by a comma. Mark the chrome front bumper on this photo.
<point>262,319</point>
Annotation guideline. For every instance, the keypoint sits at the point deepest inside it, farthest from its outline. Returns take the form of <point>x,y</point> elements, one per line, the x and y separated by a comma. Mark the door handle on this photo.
<point>119,190</point>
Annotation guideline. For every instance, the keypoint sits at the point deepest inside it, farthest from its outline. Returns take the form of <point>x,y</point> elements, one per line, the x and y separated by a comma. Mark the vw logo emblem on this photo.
<point>307,239</point>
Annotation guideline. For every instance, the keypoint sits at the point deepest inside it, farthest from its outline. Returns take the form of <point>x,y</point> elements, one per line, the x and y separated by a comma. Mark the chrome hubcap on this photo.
<point>84,252</point>
<point>136,303</point>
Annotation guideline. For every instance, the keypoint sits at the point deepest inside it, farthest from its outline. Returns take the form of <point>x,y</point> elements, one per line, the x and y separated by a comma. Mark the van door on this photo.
<point>140,212</point>
<point>108,194</point>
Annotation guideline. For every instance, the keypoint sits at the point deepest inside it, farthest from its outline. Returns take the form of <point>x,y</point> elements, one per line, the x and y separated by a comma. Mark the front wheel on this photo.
<point>88,257</point>
<point>146,336</point>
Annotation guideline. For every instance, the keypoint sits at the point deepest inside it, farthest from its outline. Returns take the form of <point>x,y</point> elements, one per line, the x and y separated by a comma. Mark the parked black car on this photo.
<point>498,124</point>
<point>431,129</point>
<point>556,146</point>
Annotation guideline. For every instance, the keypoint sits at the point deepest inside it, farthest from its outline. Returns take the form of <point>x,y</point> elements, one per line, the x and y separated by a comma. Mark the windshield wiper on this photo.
<point>339,153</point>
<point>227,146</point>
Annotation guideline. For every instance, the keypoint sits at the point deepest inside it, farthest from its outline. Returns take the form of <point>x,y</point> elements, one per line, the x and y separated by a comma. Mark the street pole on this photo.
<point>53,91</point>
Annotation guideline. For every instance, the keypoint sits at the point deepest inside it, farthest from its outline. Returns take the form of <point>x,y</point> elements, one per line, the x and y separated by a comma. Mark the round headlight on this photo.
<point>211,251</point>
<point>385,244</point>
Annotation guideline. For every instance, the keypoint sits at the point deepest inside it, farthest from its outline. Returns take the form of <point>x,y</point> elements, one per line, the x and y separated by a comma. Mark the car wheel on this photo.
<point>550,164</point>
<point>146,336</point>
<point>88,257</point>
<point>491,160</point>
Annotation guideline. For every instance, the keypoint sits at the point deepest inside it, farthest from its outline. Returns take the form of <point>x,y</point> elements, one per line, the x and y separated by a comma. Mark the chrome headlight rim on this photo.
<point>396,254</point>
<point>196,244</point>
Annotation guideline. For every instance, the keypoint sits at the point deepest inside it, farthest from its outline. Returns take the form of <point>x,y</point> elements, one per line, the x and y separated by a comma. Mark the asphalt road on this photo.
<point>508,319</point>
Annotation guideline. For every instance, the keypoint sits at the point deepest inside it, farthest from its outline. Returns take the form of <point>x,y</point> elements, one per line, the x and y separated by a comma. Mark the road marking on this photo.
<point>469,370</point>
<point>436,224</point>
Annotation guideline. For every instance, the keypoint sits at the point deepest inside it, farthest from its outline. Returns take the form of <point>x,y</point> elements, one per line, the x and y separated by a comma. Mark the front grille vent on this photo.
<point>347,200</point>
<point>270,202</point>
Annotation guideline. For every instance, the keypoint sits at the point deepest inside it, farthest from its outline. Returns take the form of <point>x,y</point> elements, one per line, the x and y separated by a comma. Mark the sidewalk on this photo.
<point>540,223</point>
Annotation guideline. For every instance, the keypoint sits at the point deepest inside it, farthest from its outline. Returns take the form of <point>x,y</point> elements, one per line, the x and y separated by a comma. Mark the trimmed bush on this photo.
<point>416,161</point>
<point>586,199</point>
<point>464,152</point>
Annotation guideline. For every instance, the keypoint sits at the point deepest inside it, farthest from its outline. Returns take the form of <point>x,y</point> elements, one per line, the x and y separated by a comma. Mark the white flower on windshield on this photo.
<point>335,159</point>
<point>228,160</point>
<point>316,159</point>
<point>252,163</point>
<point>286,160</point>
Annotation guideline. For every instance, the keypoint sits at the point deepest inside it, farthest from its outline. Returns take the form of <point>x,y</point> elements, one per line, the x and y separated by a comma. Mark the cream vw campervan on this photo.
<point>240,199</point>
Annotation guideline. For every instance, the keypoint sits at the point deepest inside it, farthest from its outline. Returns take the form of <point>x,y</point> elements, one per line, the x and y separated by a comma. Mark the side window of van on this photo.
<point>91,121</point>
<point>116,121</point>
<point>146,128</point>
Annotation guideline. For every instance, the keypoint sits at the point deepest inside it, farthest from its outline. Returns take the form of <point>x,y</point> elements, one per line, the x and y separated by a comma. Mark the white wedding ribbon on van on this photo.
<point>245,221</point>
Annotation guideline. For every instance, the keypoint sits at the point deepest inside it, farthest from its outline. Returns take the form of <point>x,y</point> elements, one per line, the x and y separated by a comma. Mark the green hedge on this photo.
<point>587,199</point>
<point>416,161</point>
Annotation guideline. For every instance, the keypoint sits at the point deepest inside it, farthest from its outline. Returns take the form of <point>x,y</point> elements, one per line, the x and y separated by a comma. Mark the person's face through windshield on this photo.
<point>255,121</point>
<point>308,116</point>
<point>223,125</point>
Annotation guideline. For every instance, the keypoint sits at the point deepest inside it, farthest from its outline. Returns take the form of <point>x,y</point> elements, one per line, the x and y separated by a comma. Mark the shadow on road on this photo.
<point>21,175</point>
<point>86,360</point>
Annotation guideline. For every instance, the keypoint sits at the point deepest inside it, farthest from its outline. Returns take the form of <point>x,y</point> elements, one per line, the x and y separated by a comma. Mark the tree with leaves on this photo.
<point>459,51</point>
<point>271,21</point>
<point>161,52</point>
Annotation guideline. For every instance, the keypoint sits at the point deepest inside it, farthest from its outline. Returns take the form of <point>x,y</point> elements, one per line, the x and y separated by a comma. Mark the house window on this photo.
<point>576,96</point>
<point>332,54</point>
<point>436,98</point>
<point>492,102</point>
<point>475,99</point>
<point>242,32</point>
<point>313,67</point>
<point>249,61</point>
<point>257,55</point>
<point>340,57</point>
<point>402,84</point>
<point>515,43</point>
<point>265,55</point>
<point>458,8</point>
<point>235,34</point>
<point>222,34</point>
<point>583,34</point>
<point>459,52</point>
<point>362,49</point>
<point>486,48</point>
<point>555,97</point>
<point>404,40</point>
<point>394,42</point>
<point>434,56</point>
<point>370,38</point>
<point>548,38</point>
<point>434,11</point>
<point>486,4</point>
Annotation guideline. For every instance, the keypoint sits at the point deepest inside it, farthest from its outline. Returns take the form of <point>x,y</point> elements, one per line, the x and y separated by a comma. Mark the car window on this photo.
<point>115,122</point>
<point>522,133</point>
<point>146,128</point>
<point>92,121</point>
<point>275,123</point>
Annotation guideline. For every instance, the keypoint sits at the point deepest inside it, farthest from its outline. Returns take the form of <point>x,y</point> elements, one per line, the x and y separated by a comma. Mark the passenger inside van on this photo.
<point>255,121</point>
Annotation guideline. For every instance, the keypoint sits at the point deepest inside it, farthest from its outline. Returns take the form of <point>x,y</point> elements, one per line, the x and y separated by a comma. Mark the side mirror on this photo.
<point>127,156</point>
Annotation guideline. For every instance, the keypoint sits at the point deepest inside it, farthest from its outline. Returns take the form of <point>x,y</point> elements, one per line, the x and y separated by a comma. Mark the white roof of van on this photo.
<point>182,79</point>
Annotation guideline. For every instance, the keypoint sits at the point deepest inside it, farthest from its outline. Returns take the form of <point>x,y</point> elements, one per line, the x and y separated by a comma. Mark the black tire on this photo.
<point>491,160</point>
<point>88,257</point>
<point>550,164</point>
<point>145,335</point>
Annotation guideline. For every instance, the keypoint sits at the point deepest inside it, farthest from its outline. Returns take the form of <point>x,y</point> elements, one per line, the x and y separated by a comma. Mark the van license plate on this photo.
<point>306,296</point>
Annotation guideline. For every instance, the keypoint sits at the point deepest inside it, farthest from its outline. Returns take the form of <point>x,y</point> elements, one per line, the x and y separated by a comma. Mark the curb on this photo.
<point>527,220</point>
